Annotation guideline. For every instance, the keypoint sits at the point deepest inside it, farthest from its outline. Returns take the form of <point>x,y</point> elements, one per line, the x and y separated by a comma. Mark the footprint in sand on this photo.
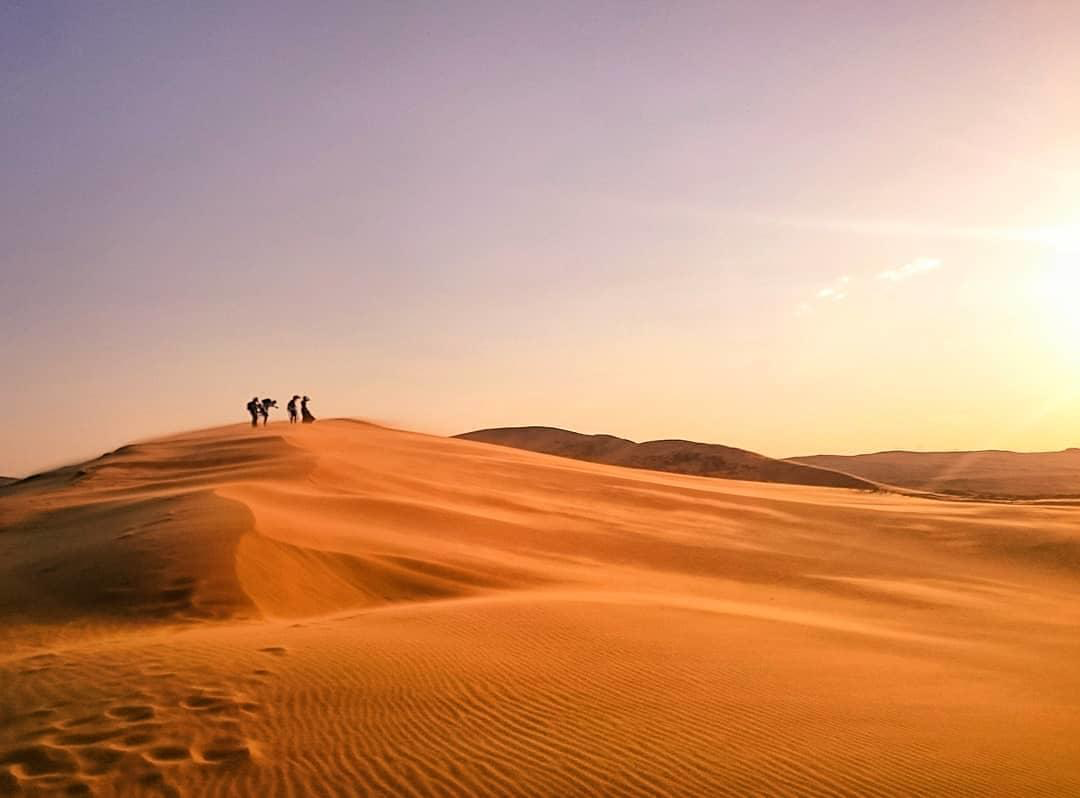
<point>277,651</point>
<point>83,720</point>
<point>39,663</point>
<point>99,760</point>
<point>138,738</point>
<point>87,737</point>
<point>203,702</point>
<point>155,780</point>
<point>218,704</point>
<point>39,760</point>
<point>225,750</point>
<point>9,785</point>
<point>168,754</point>
<point>38,714</point>
<point>33,735</point>
<point>68,752</point>
<point>131,712</point>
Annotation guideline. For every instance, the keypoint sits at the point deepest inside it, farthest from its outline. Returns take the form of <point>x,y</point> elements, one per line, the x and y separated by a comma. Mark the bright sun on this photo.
<point>1058,301</point>
<point>1064,239</point>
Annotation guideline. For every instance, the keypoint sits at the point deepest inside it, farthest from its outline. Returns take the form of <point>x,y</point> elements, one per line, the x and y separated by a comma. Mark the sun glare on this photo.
<point>1058,303</point>
<point>1064,239</point>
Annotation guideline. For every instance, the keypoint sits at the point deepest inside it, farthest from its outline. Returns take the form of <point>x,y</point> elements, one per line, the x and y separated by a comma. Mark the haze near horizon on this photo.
<point>842,229</point>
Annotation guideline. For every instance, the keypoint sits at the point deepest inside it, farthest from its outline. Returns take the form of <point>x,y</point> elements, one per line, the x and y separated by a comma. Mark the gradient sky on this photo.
<point>791,227</point>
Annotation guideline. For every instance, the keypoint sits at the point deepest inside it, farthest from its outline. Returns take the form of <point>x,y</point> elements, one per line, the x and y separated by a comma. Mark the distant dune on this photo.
<point>7,481</point>
<point>987,474</point>
<point>675,456</point>
<point>344,609</point>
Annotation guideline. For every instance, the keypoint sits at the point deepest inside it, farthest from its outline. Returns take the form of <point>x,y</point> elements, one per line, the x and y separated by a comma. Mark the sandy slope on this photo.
<point>344,609</point>
<point>990,474</point>
<point>675,456</point>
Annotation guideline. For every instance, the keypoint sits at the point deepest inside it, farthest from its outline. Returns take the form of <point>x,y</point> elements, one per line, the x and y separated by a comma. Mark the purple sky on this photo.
<point>634,218</point>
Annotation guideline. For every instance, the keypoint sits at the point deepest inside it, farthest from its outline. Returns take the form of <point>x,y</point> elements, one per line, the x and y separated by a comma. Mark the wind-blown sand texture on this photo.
<point>988,474</point>
<point>675,456</point>
<point>343,609</point>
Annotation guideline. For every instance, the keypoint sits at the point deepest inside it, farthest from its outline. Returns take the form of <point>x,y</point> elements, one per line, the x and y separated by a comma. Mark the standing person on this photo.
<point>254,407</point>
<point>304,412</point>
<point>292,409</point>
<point>264,409</point>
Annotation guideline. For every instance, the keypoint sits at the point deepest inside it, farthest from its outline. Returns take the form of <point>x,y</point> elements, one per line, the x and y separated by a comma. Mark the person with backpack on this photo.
<point>254,408</point>
<point>264,409</point>
<point>291,406</point>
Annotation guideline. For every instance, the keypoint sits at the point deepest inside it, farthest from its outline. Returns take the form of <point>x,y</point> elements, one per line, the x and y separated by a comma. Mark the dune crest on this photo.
<point>986,474</point>
<point>348,609</point>
<point>675,456</point>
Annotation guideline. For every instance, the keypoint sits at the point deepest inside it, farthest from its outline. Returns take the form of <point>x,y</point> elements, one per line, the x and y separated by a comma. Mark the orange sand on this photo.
<point>986,474</point>
<point>342,609</point>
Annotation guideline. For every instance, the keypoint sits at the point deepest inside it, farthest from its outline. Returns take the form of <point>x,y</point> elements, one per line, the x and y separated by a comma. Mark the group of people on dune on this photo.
<point>260,408</point>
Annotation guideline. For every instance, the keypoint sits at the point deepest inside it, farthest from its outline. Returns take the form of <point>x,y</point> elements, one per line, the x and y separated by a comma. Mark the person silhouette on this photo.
<point>304,412</point>
<point>264,409</point>
<point>291,406</point>
<point>254,408</point>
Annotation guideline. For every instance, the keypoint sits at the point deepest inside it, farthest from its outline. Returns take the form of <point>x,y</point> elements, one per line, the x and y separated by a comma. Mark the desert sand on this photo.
<point>675,456</point>
<point>345,609</point>
<point>985,474</point>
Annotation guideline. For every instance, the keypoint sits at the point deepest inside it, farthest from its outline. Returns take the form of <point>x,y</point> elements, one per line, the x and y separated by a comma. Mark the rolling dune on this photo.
<point>345,609</point>
<point>676,456</point>
<point>985,474</point>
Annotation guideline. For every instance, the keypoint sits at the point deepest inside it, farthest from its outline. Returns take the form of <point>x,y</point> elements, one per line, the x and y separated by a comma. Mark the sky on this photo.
<point>790,227</point>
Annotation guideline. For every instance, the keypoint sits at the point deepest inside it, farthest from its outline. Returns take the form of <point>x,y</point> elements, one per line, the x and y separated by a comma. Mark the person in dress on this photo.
<point>305,414</point>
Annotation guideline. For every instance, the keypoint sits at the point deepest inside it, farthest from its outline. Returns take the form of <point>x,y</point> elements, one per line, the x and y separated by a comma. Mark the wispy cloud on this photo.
<point>1059,235</point>
<point>909,270</point>
<point>837,290</point>
<point>1051,236</point>
<point>840,288</point>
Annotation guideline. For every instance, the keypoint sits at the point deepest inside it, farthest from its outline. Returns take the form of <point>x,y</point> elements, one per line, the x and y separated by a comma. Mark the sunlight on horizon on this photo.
<point>1057,289</point>
<point>1065,238</point>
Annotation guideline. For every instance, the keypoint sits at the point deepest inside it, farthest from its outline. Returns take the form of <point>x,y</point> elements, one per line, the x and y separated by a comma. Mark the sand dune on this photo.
<point>344,609</point>
<point>675,456</point>
<point>986,474</point>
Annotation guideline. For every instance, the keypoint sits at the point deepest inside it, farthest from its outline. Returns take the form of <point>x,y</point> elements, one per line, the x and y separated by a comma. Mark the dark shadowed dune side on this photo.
<point>679,457</point>
<point>7,481</point>
<point>985,474</point>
